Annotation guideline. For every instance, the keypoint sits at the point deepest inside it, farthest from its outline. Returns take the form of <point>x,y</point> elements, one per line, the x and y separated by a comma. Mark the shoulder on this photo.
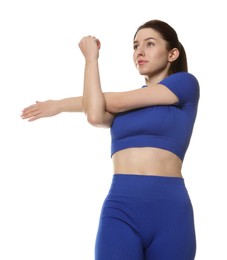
<point>181,77</point>
<point>184,84</point>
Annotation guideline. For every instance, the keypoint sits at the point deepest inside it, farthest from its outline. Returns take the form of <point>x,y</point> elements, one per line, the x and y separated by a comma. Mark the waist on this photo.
<point>147,187</point>
<point>147,161</point>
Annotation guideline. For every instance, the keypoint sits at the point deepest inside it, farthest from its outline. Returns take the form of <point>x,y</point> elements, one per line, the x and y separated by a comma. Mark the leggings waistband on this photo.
<point>147,186</point>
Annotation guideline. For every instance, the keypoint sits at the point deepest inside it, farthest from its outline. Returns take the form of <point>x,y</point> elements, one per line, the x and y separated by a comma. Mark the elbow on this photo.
<point>101,121</point>
<point>94,120</point>
<point>94,116</point>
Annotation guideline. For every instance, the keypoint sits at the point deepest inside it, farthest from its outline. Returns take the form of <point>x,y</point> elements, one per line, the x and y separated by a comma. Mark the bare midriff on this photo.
<point>147,161</point>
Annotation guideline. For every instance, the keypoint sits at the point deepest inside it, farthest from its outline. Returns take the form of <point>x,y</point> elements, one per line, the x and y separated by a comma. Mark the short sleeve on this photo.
<point>184,85</point>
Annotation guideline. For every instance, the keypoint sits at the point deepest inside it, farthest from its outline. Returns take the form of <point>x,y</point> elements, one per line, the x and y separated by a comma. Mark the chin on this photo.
<point>142,72</point>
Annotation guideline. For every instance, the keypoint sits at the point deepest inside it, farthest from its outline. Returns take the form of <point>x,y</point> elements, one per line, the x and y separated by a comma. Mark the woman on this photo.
<point>147,213</point>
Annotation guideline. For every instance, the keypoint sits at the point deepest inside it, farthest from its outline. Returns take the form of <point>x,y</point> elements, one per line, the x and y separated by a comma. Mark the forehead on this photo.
<point>146,33</point>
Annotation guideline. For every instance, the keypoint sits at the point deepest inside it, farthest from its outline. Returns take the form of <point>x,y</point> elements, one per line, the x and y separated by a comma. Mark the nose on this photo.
<point>139,51</point>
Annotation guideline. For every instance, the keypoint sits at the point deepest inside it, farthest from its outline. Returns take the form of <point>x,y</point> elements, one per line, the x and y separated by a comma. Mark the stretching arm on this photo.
<point>50,108</point>
<point>115,102</point>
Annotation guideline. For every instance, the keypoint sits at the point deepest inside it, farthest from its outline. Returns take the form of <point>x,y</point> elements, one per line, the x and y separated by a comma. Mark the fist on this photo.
<point>89,46</point>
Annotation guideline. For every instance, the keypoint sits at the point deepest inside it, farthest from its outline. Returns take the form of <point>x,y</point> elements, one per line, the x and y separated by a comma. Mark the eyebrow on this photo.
<point>147,39</point>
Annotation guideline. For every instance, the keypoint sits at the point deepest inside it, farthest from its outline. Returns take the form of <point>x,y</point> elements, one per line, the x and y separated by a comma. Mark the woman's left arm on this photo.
<point>157,94</point>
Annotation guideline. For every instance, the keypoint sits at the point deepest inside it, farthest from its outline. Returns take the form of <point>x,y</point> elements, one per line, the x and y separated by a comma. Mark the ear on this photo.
<point>173,54</point>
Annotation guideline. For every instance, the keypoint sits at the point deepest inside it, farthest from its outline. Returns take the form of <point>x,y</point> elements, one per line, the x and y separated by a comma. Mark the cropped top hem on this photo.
<point>147,141</point>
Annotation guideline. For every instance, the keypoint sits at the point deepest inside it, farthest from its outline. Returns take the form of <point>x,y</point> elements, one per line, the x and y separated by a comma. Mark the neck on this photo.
<point>156,77</point>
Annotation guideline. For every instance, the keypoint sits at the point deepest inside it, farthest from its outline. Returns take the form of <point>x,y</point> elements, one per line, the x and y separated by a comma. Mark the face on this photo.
<point>151,57</point>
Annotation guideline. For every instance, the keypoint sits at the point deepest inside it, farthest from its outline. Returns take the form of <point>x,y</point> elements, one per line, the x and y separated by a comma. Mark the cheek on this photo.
<point>163,56</point>
<point>160,59</point>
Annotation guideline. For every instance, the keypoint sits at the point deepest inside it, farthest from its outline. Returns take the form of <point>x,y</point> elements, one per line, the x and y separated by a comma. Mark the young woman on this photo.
<point>147,213</point>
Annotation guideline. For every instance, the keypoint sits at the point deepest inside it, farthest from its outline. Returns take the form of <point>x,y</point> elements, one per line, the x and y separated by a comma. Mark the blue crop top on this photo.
<point>167,127</point>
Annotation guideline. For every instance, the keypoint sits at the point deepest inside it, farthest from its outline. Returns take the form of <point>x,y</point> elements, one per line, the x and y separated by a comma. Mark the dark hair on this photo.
<point>171,38</point>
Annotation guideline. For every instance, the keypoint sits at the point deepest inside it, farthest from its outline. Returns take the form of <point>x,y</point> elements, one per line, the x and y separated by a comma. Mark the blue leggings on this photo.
<point>146,218</point>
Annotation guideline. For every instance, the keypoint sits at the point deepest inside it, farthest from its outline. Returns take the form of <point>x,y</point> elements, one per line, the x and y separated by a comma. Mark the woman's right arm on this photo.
<point>50,108</point>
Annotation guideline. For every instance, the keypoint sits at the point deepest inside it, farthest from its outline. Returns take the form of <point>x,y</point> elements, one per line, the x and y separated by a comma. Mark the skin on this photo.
<point>153,60</point>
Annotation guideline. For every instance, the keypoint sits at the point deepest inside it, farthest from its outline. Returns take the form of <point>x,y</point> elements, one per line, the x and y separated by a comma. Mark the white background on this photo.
<point>55,172</point>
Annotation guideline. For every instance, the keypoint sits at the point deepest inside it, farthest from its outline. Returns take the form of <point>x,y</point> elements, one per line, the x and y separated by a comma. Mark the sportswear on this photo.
<point>146,217</point>
<point>167,127</point>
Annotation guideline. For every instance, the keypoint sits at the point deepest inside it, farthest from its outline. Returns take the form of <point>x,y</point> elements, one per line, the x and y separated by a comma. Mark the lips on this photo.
<point>141,62</point>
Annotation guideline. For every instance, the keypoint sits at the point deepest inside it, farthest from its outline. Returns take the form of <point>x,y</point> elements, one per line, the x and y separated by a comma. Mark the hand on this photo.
<point>41,109</point>
<point>89,46</point>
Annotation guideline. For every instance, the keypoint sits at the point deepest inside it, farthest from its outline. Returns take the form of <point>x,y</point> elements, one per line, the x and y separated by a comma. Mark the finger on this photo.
<point>34,118</point>
<point>30,113</point>
<point>31,108</point>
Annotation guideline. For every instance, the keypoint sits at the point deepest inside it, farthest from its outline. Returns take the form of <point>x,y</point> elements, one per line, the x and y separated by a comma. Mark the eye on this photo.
<point>150,44</point>
<point>135,46</point>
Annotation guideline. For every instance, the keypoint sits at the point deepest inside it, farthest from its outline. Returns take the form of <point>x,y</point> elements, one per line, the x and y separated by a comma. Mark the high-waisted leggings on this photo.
<point>146,218</point>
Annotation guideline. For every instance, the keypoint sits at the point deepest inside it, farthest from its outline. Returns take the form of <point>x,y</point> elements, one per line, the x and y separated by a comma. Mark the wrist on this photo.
<point>59,105</point>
